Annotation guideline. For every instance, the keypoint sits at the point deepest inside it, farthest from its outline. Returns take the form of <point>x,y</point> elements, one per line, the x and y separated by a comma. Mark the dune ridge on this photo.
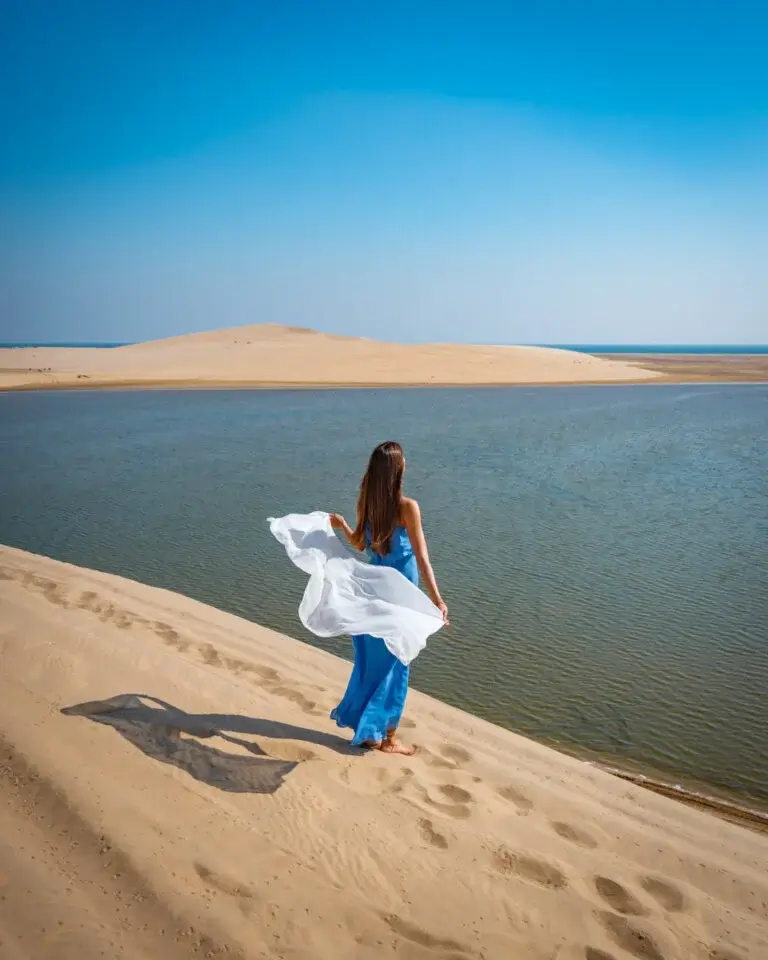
<point>271,355</point>
<point>172,786</point>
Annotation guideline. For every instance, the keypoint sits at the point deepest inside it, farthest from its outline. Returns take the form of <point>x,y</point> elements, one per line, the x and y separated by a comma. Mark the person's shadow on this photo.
<point>168,734</point>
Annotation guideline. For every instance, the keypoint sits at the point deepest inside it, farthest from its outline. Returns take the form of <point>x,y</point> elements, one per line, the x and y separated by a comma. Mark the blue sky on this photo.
<point>578,172</point>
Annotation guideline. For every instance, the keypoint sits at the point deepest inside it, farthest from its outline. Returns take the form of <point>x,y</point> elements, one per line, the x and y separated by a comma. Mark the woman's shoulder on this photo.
<point>409,510</point>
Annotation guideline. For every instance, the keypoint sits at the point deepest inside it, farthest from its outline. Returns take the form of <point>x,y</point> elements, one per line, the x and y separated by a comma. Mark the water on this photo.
<point>17,344</point>
<point>716,349</point>
<point>603,550</point>
<point>698,349</point>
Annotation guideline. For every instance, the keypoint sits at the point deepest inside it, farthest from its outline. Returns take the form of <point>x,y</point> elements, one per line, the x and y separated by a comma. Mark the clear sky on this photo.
<point>560,172</point>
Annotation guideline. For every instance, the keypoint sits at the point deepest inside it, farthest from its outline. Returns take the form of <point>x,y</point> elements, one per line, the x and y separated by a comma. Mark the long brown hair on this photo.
<point>381,493</point>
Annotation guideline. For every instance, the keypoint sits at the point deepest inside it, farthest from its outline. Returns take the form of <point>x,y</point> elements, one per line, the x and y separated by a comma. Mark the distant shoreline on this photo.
<point>666,349</point>
<point>132,385</point>
<point>701,367</point>
<point>597,349</point>
<point>268,356</point>
<point>672,370</point>
<point>174,385</point>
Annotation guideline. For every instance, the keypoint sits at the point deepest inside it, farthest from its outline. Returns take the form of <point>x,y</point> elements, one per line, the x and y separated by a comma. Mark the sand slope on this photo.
<point>193,800</point>
<point>274,355</point>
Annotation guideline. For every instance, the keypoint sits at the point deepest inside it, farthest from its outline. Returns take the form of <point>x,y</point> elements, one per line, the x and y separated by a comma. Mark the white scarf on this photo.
<point>346,596</point>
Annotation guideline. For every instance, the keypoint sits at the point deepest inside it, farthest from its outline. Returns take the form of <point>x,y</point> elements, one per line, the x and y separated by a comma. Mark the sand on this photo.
<point>171,786</point>
<point>270,355</point>
<point>702,368</point>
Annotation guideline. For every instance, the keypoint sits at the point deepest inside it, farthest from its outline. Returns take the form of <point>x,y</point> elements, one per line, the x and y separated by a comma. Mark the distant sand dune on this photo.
<point>171,786</point>
<point>267,355</point>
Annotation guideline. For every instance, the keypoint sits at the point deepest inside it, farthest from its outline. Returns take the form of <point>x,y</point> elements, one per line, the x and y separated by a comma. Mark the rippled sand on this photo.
<point>172,787</point>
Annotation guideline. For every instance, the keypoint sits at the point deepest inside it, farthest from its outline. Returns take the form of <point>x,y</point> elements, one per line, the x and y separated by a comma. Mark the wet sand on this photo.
<point>700,368</point>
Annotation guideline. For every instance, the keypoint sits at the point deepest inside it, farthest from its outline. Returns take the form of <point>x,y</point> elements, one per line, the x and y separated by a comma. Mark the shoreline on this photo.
<point>746,816</point>
<point>189,385</point>
<point>268,356</point>
<point>304,385</point>
<point>667,369</point>
<point>728,804</point>
<point>687,790</point>
<point>171,785</point>
<point>700,368</point>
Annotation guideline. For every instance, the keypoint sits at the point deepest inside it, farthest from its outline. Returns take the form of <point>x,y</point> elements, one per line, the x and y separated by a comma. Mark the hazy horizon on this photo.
<point>726,345</point>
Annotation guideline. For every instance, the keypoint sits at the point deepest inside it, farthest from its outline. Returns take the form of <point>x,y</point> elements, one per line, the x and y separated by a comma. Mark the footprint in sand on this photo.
<point>431,835</point>
<point>724,953</point>
<point>50,589</point>
<point>89,600</point>
<point>288,751</point>
<point>396,785</point>
<point>450,756</point>
<point>295,696</point>
<point>666,894</point>
<point>455,754</point>
<point>169,636</point>
<point>619,898</point>
<point>390,779</point>
<point>269,677</point>
<point>592,953</point>
<point>409,931</point>
<point>456,794</point>
<point>268,674</point>
<point>432,759</point>
<point>107,612</point>
<point>235,666</point>
<point>529,868</point>
<point>221,883</point>
<point>512,795</point>
<point>383,780</point>
<point>210,655</point>
<point>458,811</point>
<point>573,834</point>
<point>634,941</point>
<point>165,631</point>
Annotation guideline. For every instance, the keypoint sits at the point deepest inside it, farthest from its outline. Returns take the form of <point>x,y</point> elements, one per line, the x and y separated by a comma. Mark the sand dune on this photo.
<point>272,355</point>
<point>172,787</point>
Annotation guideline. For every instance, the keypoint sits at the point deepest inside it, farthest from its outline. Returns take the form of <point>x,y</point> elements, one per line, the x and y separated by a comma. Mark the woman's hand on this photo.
<point>338,522</point>
<point>443,608</point>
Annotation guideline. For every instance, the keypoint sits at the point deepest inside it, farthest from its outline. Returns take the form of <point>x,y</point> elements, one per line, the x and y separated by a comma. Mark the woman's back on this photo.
<point>388,526</point>
<point>400,555</point>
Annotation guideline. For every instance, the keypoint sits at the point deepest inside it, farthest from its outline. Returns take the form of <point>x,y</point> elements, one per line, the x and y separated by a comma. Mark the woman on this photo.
<point>389,529</point>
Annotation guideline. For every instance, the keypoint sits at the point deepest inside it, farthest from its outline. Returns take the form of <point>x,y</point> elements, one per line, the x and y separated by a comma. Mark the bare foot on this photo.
<point>395,746</point>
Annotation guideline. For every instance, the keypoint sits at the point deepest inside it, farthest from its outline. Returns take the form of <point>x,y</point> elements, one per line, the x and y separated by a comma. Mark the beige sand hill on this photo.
<point>277,356</point>
<point>193,800</point>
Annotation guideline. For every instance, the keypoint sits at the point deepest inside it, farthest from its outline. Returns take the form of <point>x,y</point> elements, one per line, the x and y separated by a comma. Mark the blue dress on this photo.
<point>375,697</point>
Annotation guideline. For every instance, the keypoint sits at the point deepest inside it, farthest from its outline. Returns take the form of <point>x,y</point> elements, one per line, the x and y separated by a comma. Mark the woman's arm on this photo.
<point>411,516</point>
<point>339,523</point>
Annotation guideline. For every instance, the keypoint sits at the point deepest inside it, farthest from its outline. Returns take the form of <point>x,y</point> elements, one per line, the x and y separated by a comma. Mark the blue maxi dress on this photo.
<point>375,696</point>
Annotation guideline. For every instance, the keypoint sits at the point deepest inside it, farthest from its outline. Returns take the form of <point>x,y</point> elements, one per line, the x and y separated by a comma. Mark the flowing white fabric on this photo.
<point>346,596</point>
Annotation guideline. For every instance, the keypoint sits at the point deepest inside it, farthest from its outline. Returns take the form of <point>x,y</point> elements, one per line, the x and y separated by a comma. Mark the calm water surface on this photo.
<point>603,550</point>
